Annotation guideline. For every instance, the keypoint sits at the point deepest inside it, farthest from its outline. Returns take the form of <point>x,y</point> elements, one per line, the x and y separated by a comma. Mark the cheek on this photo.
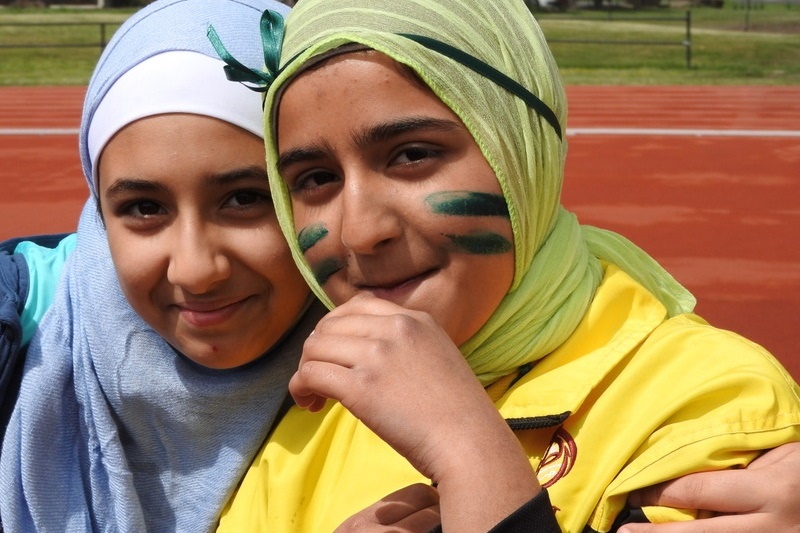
<point>266,252</point>
<point>139,267</point>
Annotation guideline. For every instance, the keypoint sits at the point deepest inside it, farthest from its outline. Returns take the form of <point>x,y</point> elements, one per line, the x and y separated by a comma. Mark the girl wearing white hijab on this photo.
<point>177,323</point>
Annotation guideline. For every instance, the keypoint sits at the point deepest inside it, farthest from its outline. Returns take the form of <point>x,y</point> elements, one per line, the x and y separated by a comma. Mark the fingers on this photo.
<point>412,509</point>
<point>366,304</point>
<point>307,400</point>
<point>724,491</point>
<point>359,316</point>
<point>415,503</point>
<point>761,497</point>
<point>334,366</point>
<point>328,356</point>
<point>373,344</point>
<point>721,524</point>
<point>317,381</point>
<point>790,453</point>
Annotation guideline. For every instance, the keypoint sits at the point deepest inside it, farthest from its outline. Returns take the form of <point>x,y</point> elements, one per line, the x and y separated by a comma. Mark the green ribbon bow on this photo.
<point>272,29</point>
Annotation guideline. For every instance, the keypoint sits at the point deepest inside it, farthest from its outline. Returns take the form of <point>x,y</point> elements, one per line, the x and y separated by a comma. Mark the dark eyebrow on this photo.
<point>312,152</point>
<point>374,134</point>
<point>388,130</point>
<point>239,174</point>
<point>124,186</point>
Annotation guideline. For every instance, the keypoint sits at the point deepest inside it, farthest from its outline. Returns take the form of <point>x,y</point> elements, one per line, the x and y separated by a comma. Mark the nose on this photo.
<point>198,261</point>
<point>369,221</point>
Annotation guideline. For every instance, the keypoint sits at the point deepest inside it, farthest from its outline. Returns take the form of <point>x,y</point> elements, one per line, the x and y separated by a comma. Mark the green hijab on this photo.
<point>489,62</point>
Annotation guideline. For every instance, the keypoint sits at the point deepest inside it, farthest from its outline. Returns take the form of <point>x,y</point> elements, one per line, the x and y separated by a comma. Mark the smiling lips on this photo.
<point>209,314</point>
<point>396,290</point>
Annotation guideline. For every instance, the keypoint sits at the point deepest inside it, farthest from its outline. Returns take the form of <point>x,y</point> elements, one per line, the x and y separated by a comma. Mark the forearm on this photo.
<point>488,479</point>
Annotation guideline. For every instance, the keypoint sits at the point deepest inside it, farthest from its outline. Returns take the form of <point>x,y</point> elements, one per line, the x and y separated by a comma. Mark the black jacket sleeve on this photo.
<point>14,288</point>
<point>535,516</point>
<point>13,292</point>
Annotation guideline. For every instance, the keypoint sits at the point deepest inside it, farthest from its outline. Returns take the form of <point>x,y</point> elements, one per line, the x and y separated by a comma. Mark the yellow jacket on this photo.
<point>630,400</point>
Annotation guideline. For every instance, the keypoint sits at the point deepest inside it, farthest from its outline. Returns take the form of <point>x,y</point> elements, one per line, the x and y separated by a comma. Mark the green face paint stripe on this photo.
<point>466,203</point>
<point>486,243</point>
<point>311,235</point>
<point>325,269</point>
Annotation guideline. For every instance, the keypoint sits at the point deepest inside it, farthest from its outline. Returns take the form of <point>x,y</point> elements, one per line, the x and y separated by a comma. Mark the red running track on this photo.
<point>706,179</point>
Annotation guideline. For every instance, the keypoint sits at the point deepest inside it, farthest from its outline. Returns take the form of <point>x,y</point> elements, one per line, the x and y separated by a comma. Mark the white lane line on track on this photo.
<point>675,132</point>
<point>683,132</point>
<point>38,131</point>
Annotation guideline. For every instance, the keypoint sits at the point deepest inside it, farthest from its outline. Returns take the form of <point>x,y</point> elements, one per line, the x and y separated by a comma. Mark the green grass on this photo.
<point>729,45</point>
<point>57,64</point>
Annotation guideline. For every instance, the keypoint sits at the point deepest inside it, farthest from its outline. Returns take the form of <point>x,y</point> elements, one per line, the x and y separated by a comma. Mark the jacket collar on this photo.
<point>621,316</point>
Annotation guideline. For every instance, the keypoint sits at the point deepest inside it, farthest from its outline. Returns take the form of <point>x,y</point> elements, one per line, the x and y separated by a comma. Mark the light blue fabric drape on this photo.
<point>114,430</point>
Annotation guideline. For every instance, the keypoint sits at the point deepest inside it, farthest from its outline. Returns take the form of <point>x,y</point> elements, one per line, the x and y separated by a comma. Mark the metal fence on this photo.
<point>686,42</point>
<point>98,40</point>
<point>105,30</point>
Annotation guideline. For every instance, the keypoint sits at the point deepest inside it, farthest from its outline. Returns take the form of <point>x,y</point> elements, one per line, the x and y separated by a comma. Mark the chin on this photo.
<point>212,357</point>
<point>220,363</point>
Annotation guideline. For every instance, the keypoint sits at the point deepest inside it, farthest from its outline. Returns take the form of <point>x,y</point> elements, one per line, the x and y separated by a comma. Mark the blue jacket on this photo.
<point>29,271</point>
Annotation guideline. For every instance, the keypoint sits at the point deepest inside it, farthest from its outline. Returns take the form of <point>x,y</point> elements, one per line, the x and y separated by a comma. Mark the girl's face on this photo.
<point>391,194</point>
<point>194,237</point>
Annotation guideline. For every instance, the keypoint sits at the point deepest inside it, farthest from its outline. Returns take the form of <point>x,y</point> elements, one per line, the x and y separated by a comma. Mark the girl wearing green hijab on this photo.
<point>416,153</point>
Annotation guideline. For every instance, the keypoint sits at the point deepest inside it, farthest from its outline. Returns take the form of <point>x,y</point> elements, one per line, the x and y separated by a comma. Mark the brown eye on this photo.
<point>314,179</point>
<point>141,215</point>
<point>247,198</point>
<point>144,209</point>
<point>415,154</point>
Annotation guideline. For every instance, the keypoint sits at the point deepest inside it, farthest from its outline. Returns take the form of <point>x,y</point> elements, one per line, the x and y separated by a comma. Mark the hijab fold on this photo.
<point>113,429</point>
<point>558,262</point>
